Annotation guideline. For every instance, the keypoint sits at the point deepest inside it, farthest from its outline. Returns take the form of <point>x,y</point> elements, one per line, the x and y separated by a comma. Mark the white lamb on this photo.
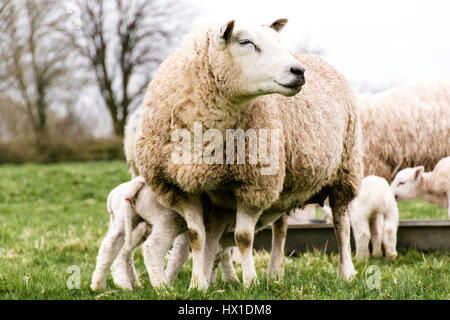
<point>433,187</point>
<point>128,204</point>
<point>374,215</point>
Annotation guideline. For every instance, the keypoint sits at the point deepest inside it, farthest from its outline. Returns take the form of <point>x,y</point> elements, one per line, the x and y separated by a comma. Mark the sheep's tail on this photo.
<point>128,206</point>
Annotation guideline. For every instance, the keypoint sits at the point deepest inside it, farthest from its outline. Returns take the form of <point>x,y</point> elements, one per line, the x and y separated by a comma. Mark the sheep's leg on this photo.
<point>108,251</point>
<point>390,235</point>
<point>279,231</point>
<point>246,219</point>
<point>377,234</point>
<point>177,258</point>
<point>192,212</point>
<point>123,270</point>
<point>341,224</point>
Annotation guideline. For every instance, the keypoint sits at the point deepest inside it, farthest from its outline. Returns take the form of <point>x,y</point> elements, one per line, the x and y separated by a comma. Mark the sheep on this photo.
<point>405,126</point>
<point>115,239</point>
<point>225,77</point>
<point>374,216</point>
<point>433,187</point>
<point>127,203</point>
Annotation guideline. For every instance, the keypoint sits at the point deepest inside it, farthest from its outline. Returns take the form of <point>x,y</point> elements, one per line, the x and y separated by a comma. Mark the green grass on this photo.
<point>53,217</point>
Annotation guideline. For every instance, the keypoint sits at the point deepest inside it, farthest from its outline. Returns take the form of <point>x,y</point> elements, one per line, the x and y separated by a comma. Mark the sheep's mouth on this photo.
<point>297,85</point>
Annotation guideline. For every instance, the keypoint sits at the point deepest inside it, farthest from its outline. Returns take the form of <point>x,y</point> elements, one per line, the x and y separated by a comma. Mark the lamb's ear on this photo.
<point>418,172</point>
<point>224,34</point>
<point>279,24</point>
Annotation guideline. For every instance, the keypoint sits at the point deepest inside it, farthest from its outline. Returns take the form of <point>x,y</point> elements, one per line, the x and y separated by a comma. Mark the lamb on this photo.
<point>399,122</point>
<point>374,215</point>
<point>113,243</point>
<point>224,78</point>
<point>415,183</point>
<point>127,203</point>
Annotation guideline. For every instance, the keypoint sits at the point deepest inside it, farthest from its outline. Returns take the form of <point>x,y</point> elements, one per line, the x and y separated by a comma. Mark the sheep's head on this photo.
<point>258,63</point>
<point>405,183</point>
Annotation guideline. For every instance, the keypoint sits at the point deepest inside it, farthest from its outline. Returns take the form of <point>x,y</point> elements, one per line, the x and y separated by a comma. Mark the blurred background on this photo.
<point>72,71</point>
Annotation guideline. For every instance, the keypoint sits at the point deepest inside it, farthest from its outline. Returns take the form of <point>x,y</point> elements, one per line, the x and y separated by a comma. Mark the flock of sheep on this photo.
<point>238,77</point>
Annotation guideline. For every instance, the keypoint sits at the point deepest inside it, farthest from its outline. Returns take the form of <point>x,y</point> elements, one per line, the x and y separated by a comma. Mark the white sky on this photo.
<point>373,43</point>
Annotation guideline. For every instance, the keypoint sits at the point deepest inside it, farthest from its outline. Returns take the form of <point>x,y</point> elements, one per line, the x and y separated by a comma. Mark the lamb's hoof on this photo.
<point>121,280</point>
<point>98,286</point>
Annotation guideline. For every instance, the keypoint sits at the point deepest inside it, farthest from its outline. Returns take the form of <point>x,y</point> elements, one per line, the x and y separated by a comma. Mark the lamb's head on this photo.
<point>405,184</point>
<point>252,61</point>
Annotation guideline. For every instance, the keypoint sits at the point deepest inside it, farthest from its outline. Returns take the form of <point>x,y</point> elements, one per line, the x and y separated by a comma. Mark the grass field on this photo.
<point>53,218</point>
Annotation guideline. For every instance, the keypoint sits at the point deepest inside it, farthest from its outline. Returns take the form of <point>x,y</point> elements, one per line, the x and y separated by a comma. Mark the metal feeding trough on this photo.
<point>424,235</point>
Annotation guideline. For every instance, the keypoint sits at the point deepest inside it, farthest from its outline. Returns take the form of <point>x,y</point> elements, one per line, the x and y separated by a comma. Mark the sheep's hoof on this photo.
<point>198,284</point>
<point>347,274</point>
<point>391,257</point>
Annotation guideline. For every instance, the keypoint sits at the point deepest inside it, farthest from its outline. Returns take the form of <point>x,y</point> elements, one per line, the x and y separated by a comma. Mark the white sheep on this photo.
<point>128,203</point>
<point>225,77</point>
<point>433,187</point>
<point>374,216</point>
<point>406,126</point>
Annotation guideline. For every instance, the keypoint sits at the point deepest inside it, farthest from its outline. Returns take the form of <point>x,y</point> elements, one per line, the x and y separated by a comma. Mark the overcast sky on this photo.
<point>373,43</point>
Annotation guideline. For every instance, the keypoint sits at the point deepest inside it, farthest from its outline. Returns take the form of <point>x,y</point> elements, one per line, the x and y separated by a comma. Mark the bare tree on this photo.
<point>124,41</point>
<point>34,68</point>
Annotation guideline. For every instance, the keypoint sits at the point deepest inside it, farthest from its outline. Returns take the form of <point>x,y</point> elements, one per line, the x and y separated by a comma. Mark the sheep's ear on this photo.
<point>418,172</point>
<point>279,24</point>
<point>224,34</point>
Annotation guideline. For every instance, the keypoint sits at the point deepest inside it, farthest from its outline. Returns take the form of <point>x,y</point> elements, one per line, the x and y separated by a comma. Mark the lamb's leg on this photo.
<point>448,203</point>
<point>390,235</point>
<point>108,251</point>
<point>279,231</point>
<point>377,234</point>
<point>246,219</point>
<point>123,270</point>
<point>155,249</point>
<point>178,256</point>
<point>341,224</point>
<point>213,236</point>
<point>361,233</point>
<point>228,272</point>
<point>192,212</point>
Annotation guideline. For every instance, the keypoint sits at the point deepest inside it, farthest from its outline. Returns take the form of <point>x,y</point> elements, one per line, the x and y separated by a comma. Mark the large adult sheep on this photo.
<point>222,76</point>
<point>405,126</point>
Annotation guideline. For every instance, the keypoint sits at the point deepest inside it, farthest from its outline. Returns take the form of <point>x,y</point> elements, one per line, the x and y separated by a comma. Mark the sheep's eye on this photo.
<point>244,42</point>
<point>400,183</point>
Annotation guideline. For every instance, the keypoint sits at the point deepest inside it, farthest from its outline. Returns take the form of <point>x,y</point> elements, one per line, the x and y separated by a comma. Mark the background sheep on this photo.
<point>215,76</point>
<point>406,126</point>
<point>415,183</point>
<point>374,215</point>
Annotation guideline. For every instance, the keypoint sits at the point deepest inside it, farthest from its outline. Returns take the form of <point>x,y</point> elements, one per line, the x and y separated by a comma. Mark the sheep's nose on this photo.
<point>299,73</point>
